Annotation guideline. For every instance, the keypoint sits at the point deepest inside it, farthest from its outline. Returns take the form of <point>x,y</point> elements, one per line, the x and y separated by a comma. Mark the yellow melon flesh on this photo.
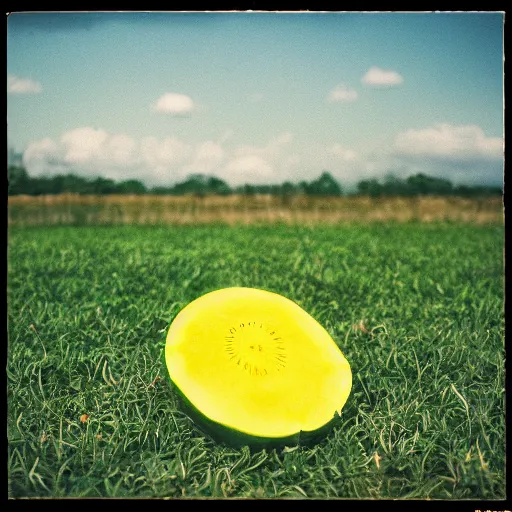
<point>256,362</point>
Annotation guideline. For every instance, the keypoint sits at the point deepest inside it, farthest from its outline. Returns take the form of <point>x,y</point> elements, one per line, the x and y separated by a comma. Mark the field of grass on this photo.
<point>86,210</point>
<point>416,308</point>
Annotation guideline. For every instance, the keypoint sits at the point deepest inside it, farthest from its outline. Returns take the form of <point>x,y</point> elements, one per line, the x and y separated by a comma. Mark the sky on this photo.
<point>257,97</point>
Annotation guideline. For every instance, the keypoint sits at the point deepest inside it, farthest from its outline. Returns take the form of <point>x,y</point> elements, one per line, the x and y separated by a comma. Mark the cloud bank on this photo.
<point>92,152</point>
<point>463,154</point>
<point>448,142</point>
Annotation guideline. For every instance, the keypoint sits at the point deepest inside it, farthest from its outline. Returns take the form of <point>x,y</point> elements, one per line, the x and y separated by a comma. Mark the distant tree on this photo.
<point>102,186</point>
<point>477,191</point>
<point>370,187</point>
<point>69,183</point>
<point>217,186</point>
<point>420,184</point>
<point>442,186</point>
<point>18,181</point>
<point>302,187</point>
<point>248,189</point>
<point>275,189</point>
<point>195,184</point>
<point>394,186</point>
<point>131,187</point>
<point>494,190</point>
<point>325,185</point>
<point>41,186</point>
<point>263,189</point>
<point>288,188</point>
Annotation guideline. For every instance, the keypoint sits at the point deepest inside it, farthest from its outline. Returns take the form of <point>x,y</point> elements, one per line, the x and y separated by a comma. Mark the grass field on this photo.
<point>86,210</point>
<point>416,308</point>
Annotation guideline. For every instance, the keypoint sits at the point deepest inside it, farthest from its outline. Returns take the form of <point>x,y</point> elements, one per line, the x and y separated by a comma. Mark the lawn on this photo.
<point>416,308</point>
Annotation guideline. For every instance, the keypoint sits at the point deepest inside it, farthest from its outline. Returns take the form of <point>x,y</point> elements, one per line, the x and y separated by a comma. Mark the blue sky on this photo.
<point>257,97</point>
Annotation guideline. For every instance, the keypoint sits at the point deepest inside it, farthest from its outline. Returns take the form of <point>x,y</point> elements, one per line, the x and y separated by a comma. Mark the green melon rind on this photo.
<point>229,436</point>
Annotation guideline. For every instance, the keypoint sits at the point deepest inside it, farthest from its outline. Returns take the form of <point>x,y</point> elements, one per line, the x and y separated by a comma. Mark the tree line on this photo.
<point>20,182</point>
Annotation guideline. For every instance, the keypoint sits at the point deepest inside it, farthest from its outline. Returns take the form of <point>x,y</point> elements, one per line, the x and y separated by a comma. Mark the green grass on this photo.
<point>416,308</point>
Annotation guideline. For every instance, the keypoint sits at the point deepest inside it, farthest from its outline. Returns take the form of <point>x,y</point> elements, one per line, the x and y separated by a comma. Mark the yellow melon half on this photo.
<point>256,363</point>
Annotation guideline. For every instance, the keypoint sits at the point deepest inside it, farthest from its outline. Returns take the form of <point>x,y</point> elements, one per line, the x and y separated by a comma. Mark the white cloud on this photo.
<point>206,160</point>
<point>91,152</point>
<point>344,154</point>
<point>342,93</point>
<point>272,148</point>
<point>40,148</point>
<point>167,151</point>
<point>378,77</point>
<point>248,168</point>
<point>209,150</point>
<point>279,143</point>
<point>270,163</point>
<point>122,149</point>
<point>174,104</point>
<point>17,85</point>
<point>343,163</point>
<point>290,164</point>
<point>462,154</point>
<point>445,141</point>
<point>83,145</point>
<point>44,156</point>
